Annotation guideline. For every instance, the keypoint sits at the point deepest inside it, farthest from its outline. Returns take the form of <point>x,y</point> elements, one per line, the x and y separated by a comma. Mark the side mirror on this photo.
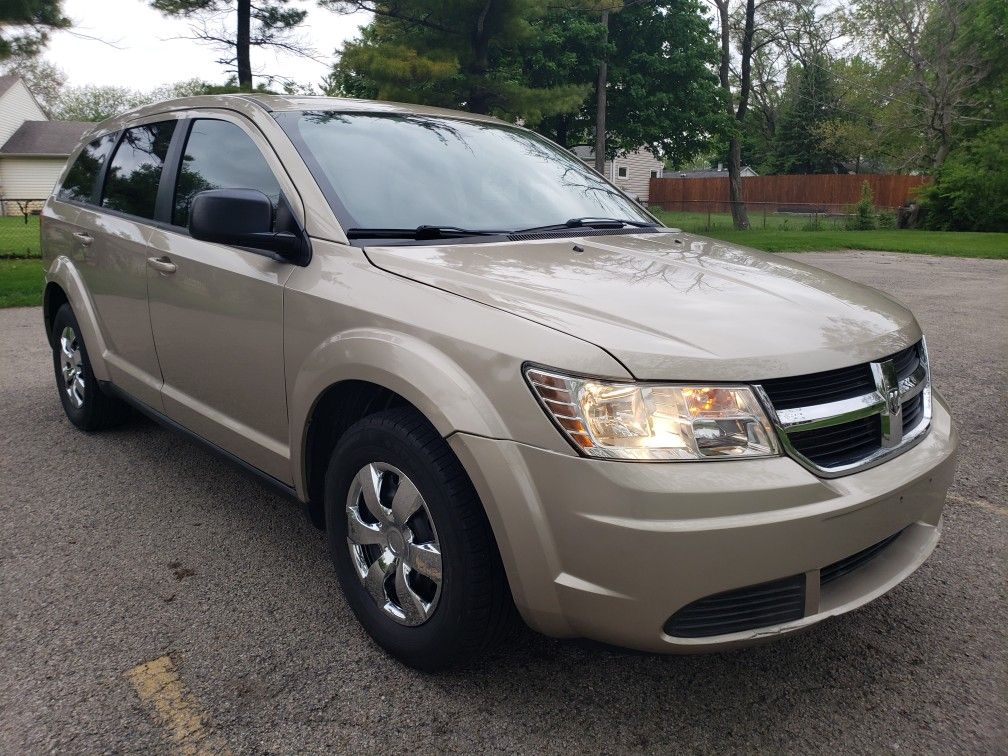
<point>243,218</point>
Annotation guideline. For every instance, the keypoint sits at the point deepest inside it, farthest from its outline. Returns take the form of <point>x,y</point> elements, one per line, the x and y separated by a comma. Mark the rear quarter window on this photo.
<point>82,177</point>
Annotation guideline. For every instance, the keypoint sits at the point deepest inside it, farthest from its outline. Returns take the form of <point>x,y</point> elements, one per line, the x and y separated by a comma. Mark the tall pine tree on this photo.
<point>459,54</point>
<point>810,106</point>
<point>266,24</point>
<point>25,25</point>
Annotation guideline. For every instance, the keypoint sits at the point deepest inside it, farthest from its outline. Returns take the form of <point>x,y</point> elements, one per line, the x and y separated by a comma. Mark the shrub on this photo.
<point>886,219</point>
<point>813,224</point>
<point>970,190</point>
<point>863,216</point>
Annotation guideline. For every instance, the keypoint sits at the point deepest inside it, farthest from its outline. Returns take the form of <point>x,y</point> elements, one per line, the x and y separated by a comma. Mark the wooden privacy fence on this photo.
<point>799,194</point>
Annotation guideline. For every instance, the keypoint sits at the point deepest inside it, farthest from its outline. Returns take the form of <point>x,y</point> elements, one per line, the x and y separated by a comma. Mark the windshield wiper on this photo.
<point>588,222</point>
<point>419,233</point>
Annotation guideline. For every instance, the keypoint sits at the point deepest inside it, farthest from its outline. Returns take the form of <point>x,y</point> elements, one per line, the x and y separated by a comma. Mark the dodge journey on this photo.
<point>502,387</point>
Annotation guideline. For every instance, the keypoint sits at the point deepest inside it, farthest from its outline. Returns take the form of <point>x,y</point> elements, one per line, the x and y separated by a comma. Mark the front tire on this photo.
<point>85,404</point>
<point>411,544</point>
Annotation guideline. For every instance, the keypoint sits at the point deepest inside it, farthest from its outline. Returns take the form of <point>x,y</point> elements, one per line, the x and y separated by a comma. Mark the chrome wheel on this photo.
<point>393,545</point>
<point>72,367</point>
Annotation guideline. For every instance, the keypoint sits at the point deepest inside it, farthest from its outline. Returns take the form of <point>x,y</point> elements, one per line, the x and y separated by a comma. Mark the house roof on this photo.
<point>587,152</point>
<point>712,173</point>
<point>6,82</point>
<point>46,138</point>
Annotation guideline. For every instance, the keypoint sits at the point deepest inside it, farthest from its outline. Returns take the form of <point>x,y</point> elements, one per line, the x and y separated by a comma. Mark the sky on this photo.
<point>126,43</point>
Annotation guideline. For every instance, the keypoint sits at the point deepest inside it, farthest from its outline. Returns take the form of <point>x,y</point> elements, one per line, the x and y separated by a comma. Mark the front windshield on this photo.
<point>387,171</point>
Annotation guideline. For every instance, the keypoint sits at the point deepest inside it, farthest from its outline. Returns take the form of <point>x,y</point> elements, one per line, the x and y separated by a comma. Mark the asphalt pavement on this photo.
<point>154,599</point>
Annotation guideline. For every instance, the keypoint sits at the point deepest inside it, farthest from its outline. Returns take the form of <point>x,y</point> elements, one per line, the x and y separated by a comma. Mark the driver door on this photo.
<point>217,311</point>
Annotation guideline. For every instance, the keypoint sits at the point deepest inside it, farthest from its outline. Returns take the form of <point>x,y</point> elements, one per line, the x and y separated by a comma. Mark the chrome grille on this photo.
<point>913,409</point>
<point>841,444</point>
<point>833,385</point>
<point>840,421</point>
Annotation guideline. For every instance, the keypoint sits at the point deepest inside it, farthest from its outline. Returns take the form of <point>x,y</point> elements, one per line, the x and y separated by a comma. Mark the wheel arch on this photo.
<point>363,371</point>
<point>52,299</point>
<point>64,286</point>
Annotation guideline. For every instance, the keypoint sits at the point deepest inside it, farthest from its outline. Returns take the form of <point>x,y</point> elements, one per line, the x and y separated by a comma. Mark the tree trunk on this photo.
<point>738,209</point>
<point>740,216</point>
<point>242,39</point>
<point>479,97</point>
<point>563,131</point>
<point>939,158</point>
<point>600,101</point>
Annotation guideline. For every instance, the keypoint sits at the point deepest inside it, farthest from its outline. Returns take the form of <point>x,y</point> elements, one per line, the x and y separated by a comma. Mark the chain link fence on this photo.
<point>706,215</point>
<point>19,228</point>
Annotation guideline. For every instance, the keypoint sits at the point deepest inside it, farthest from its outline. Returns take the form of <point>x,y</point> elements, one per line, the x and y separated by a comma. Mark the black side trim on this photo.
<point>99,182</point>
<point>165,421</point>
<point>164,204</point>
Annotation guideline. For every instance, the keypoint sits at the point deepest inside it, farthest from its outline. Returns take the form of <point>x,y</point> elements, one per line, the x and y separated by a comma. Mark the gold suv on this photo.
<point>495,380</point>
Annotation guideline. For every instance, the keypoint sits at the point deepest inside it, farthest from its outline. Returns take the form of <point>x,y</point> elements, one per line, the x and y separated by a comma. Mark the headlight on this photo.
<point>655,422</point>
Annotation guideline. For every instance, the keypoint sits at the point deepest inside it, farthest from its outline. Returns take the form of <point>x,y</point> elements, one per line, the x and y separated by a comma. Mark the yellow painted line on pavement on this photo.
<point>158,684</point>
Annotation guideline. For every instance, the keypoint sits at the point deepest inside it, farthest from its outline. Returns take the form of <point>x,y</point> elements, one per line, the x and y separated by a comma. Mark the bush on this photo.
<point>886,219</point>
<point>863,218</point>
<point>970,191</point>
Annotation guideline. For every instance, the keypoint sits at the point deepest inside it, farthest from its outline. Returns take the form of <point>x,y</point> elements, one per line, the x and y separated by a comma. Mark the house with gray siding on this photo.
<point>630,171</point>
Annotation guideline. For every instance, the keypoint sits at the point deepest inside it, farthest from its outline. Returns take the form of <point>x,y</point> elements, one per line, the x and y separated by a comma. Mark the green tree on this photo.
<point>985,32</point>
<point>264,24</point>
<point>459,54</point>
<point>565,48</point>
<point>661,90</point>
<point>43,79</point>
<point>96,103</point>
<point>868,132</point>
<point>809,105</point>
<point>936,55</point>
<point>970,190</point>
<point>25,25</point>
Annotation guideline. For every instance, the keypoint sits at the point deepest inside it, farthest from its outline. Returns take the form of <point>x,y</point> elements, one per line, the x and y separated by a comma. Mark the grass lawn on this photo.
<point>17,238</point>
<point>21,283</point>
<point>784,234</point>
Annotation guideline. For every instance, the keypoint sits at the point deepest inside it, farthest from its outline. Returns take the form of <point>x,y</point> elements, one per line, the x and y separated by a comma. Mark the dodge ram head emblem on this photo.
<point>887,385</point>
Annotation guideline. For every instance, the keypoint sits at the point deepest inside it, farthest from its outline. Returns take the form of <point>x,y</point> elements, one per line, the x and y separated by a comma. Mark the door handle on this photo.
<point>84,239</point>
<point>162,264</point>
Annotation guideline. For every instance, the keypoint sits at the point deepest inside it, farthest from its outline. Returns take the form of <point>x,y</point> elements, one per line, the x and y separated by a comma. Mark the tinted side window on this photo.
<point>83,174</point>
<point>219,155</point>
<point>132,181</point>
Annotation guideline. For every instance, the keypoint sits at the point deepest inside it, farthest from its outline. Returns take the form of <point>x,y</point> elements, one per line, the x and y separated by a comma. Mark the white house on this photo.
<point>630,171</point>
<point>33,149</point>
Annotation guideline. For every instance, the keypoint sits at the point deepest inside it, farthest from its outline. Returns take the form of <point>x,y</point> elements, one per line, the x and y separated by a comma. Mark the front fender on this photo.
<point>419,372</point>
<point>64,274</point>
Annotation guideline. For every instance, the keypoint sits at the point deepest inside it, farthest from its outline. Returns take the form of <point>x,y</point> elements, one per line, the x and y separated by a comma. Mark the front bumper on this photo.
<point>611,550</point>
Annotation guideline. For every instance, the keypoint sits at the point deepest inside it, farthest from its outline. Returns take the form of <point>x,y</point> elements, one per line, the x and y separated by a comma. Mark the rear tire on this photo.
<point>86,405</point>
<point>449,609</point>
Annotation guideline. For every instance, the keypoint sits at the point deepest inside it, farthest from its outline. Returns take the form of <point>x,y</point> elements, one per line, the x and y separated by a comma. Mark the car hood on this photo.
<point>672,306</point>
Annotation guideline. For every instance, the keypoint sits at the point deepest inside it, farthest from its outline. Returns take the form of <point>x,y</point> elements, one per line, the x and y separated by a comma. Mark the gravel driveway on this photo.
<point>152,598</point>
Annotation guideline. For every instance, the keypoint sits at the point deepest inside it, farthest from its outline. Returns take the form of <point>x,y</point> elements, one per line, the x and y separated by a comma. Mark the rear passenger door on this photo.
<point>111,235</point>
<point>217,311</point>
